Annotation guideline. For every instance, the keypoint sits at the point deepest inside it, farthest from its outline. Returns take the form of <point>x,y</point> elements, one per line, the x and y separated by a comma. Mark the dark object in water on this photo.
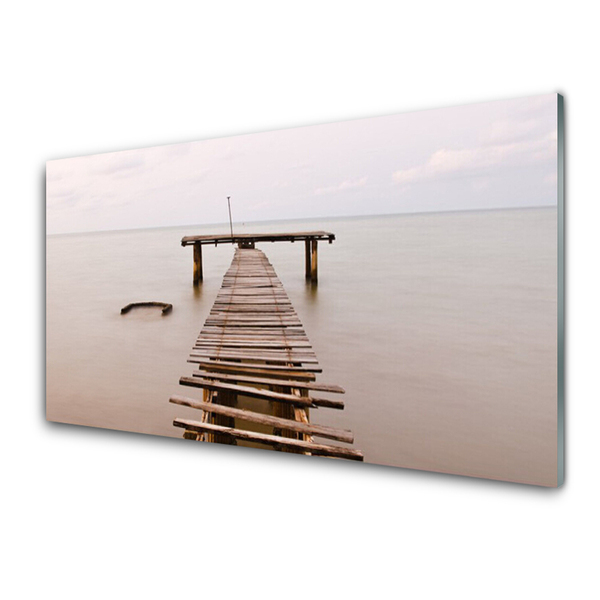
<point>166,308</point>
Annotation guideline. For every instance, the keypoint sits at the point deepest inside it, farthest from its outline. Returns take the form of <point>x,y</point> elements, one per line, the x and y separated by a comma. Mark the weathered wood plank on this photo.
<point>308,401</point>
<point>247,311</point>
<point>272,440</point>
<point>247,365</point>
<point>258,348</point>
<point>266,324</point>
<point>274,356</point>
<point>283,332</point>
<point>274,372</point>
<point>253,294</point>
<point>342,435</point>
<point>244,390</point>
<point>216,343</point>
<point>260,338</point>
<point>320,387</point>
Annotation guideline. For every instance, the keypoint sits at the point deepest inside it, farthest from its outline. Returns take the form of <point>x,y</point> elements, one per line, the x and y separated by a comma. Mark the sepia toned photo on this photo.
<point>383,290</point>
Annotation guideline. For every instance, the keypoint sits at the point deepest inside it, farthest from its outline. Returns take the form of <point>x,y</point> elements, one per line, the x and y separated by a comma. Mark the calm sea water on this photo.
<point>441,328</point>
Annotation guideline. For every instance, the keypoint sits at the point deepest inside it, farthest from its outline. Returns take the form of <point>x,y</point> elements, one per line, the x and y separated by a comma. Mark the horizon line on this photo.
<point>358,216</point>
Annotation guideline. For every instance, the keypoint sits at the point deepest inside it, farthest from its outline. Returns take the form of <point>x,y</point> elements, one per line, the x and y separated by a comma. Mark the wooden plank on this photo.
<point>253,306</point>
<point>253,309</point>
<point>342,435</point>
<point>283,332</point>
<point>248,286</point>
<point>261,294</point>
<point>250,293</point>
<point>253,278</point>
<point>244,390</point>
<point>275,339</point>
<point>255,354</point>
<point>246,365</point>
<point>221,328</point>
<point>218,318</point>
<point>257,347</point>
<point>253,300</point>
<point>262,324</point>
<point>256,360</point>
<point>258,317</point>
<point>271,371</point>
<point>247,311</point>
<point>250,321</point>
<point>327,403</point>
<point>217,343</point>
<point>263,394</point>
<point>249,358</point>
<point>272,440</point>
<point>320,387</point>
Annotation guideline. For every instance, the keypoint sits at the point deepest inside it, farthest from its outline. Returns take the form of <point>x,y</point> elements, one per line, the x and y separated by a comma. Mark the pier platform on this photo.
<point>249,240</point>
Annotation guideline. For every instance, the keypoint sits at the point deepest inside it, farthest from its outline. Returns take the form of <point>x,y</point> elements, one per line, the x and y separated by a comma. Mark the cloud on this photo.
<point>448,163</point>
<point>349,184</point>
<point>300,166</point>
<point>178,150</point>
<point>230,153</point>
<point>120,163</point>
<point>509,130</point>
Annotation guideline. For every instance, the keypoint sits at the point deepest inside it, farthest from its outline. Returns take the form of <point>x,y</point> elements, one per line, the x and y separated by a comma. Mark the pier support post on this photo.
<point>225,399</point>
<point>197,264</point>
<point>313,263</point>
<point>307,258</point>
<point>284,411</point>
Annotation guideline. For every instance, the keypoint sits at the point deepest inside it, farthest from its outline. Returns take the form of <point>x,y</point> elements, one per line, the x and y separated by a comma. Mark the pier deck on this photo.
<point>253,349</point>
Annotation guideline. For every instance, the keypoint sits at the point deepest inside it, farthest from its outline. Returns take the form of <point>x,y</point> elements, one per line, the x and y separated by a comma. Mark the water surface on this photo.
<point>441,328</point>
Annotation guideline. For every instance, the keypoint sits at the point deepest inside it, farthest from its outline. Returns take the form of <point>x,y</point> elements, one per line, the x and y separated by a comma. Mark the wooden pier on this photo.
<point>257,369</point>
<point>248,241</point>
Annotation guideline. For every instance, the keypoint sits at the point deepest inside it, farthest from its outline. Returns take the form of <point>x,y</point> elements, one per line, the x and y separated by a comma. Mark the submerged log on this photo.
<point>166,308</point>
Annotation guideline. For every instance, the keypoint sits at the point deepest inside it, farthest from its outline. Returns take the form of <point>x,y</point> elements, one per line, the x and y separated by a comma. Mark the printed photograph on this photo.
<point>382,290</point>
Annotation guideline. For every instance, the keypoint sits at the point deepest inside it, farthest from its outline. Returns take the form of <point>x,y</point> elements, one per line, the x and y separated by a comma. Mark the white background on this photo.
<point>96,514</point>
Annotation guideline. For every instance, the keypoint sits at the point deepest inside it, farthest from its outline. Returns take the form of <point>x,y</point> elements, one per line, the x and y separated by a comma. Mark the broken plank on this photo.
<point>245,391</point>
<point>320,387</point>
<point>271,440</point>
<point>213,363</point>
<point>273,372</point>
<point>261,393</point>
<point>202,342</point>
<point>279,356</point>
<point>342,435</point>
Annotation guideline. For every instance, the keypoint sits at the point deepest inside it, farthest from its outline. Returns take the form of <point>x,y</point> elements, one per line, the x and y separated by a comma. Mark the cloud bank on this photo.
<point>490,155</point>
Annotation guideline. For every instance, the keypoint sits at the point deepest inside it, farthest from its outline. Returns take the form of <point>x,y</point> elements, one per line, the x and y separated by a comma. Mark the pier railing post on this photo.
<point>313,266</point>
<point>197,263</point>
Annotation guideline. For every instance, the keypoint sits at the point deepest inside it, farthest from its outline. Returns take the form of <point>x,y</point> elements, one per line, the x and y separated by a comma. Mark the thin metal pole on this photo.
<point>230,223</point>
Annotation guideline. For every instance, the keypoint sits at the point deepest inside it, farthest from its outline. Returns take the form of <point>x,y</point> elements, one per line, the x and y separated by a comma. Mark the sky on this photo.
<point>480,156</point>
